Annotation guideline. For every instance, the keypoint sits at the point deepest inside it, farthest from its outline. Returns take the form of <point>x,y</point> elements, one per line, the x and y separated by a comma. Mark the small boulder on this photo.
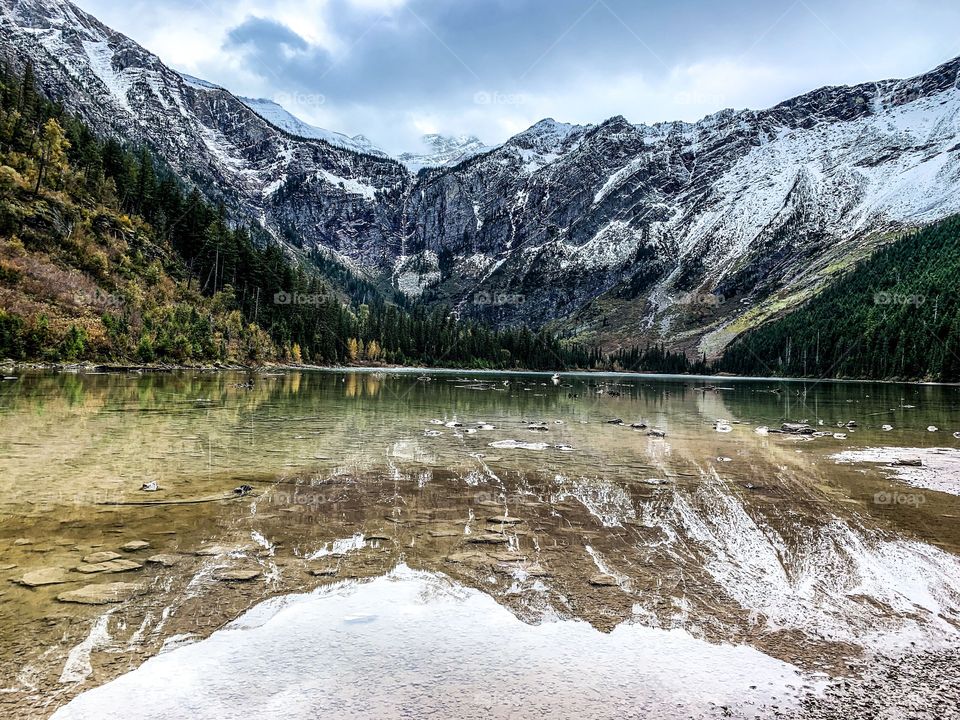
<point>908,462</point>
<point>796,429</point>
<point>164,559</point>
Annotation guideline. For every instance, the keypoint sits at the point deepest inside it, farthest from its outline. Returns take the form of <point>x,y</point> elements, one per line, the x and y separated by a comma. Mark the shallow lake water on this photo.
<point>462,543</point>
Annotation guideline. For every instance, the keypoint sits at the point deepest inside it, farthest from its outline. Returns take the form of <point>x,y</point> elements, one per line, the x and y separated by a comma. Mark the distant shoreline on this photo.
<point>110,368</point>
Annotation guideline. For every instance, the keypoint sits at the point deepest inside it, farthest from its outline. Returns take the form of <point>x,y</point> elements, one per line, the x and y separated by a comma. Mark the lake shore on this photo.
<point>91,367</point>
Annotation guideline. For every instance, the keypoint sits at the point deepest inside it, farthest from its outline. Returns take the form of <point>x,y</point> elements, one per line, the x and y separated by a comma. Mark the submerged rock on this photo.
<point>135,546</point>
<point>110,566</point>
<point>466,557</point>
<point>104,556</point>
<point>101,594</point>
<point>45,576</point>
<point>603,580</point>
<point>322,571</point>
<point>238,575</point>
<point>487,539</point>
<point>444,533</point>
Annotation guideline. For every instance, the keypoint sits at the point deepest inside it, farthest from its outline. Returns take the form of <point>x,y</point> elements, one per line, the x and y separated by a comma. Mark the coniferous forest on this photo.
<point>107,255</point>
<point>895,315</point>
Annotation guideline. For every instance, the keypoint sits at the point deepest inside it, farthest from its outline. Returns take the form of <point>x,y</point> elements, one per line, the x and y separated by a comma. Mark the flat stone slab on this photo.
<point>503,556</point>
<point>466,557</point>
<point>45,576</point>
<point>237,575</point>
<point>487,539</point>
<point>444,533</point>
<point>99,557</point>
<point>164,559</point>
<point>213,550</point>
<point>602,580</point>
<point>135,545</point>
<point>111,566</point>
<point>101,594</point>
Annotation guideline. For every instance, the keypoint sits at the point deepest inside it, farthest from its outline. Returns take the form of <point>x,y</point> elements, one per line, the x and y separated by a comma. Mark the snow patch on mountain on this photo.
<point>415,273</point>
<point>612,245</point>
<point>198,84</point>
<point>349,185</point>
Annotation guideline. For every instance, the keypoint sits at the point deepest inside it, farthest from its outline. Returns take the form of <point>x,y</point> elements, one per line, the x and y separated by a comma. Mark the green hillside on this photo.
<point>895,315</point>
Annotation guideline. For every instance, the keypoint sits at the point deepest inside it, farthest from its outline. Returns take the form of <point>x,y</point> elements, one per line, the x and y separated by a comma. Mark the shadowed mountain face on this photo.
<point>688,231</point>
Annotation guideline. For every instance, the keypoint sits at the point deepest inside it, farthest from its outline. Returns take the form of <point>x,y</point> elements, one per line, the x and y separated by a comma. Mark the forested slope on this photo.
<point>106,255</point>
<point>895,315</point>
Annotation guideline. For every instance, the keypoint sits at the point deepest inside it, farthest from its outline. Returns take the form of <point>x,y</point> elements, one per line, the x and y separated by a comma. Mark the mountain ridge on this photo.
<point>603,231</point>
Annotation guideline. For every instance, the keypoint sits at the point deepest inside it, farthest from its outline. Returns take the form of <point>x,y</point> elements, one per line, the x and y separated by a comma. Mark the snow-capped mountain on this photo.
<point>303,188</point>
<point>283,119</point>
<point>443,150</point>
<point>689,232</point>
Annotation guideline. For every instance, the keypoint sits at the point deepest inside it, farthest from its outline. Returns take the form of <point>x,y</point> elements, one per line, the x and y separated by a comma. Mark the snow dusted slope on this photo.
<point>281,118</point>
<point>681,232</point>
<point>741,212</point>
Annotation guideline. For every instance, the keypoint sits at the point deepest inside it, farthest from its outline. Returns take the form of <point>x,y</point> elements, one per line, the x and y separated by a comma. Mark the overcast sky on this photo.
<point>396,69</point>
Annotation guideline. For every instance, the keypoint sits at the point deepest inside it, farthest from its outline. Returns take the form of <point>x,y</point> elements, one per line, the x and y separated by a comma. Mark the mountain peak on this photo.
<point>443,150</point>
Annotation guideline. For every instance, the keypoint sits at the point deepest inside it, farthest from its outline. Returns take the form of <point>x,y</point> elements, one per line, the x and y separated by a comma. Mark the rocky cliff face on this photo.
<point>687,232</point>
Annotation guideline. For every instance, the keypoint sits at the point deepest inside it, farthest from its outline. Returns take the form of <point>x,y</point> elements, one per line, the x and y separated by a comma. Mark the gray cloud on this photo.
<point>393,69</point>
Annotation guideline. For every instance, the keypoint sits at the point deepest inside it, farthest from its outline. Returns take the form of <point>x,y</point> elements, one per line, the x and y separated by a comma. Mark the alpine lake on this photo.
<point>394,543</point>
